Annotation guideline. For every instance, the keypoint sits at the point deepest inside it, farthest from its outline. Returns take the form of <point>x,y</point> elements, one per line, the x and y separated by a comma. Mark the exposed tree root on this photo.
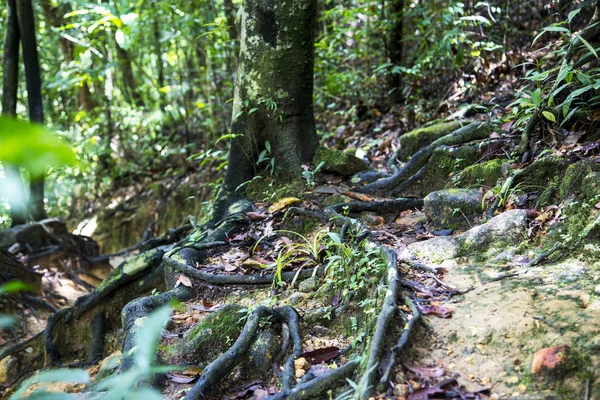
<point>471,132</point>
<point>313,388</point>
<point>402,341</point>
<point>253,279</point>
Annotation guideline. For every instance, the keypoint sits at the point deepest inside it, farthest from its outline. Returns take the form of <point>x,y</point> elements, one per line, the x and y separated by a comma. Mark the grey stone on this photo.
<point>261,354</point>
<point>319,316</point>
<point>309,285</point>
<point>339,162</point>
<point>496,235</point>
<point>453,208</point>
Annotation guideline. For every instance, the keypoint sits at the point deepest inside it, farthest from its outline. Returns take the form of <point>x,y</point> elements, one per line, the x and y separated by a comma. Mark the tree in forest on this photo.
<point>395,47</point>
<point>21,26</point>
<point>273,105</point>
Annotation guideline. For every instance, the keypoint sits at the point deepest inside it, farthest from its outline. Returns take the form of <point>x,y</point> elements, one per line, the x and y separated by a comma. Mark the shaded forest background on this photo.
<point>143,90</point>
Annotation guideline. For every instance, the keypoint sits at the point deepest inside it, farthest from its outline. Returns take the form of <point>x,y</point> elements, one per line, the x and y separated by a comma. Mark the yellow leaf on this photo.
<point>283,203</point>
<point>549,116</point>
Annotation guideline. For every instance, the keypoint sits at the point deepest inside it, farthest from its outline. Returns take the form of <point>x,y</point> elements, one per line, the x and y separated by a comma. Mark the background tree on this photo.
<point>33,79</point>
<point>10,86</point>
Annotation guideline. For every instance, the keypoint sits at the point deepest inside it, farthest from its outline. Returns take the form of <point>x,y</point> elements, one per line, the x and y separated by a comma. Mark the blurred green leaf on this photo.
<point>57,375</point>
<point>32,146</point>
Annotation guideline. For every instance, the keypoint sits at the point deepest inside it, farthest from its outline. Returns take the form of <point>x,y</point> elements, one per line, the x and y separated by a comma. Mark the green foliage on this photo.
<point>32,147</point>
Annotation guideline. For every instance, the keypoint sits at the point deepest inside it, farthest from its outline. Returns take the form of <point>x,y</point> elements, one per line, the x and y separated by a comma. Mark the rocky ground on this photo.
<point>496,271</point>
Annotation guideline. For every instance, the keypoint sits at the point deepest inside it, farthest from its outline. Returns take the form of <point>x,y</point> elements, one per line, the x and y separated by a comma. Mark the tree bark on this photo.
<point>131,86</point>
<point>34,94</point>
<point>10,84</point>
<point>160,69</point>
<point>396,48</point>
<point>54,17</point>
<point>274,92</point>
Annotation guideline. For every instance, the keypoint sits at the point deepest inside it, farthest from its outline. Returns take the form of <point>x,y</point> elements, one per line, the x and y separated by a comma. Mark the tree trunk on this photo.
<point>34,94</point>
<point>131,87</point>
<point>395,46</point>
<point>230,16</point>
<point>274,92</point>
<point>53,15</point>
<point>10,84</point>
<point>160,69</point>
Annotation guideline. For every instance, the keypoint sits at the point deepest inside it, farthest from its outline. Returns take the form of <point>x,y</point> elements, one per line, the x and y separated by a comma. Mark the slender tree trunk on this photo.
<point>10,85</point>
<point>274,91</point>
<point>396,48</point>
<point>131,86</point>
<point>34,94</point>
<point>54,17</point>
<point>230,16</point>
<point>160,69</point>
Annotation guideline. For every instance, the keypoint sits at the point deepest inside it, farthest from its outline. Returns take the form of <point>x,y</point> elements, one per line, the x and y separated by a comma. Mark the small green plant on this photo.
<point>306,251</point>
<point>309,175</point>
<point>266,159</point>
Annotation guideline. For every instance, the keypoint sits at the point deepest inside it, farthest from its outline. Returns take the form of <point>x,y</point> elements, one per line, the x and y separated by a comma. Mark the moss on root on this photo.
<point>214,334</point>
<point>484,174</point>
<point>412,141</point>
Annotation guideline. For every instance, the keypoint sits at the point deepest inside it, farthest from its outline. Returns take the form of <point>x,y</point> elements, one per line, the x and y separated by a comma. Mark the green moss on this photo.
<point>214,334</point>
<point>338,162</point>
<point>573,178</point>
<point>412,141</point>
<point>590,187</point>
<point>484,174</point>
<point>541,171</point>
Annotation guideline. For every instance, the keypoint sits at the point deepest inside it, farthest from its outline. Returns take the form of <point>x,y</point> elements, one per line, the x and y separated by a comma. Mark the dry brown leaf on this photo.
<point>183,280</point>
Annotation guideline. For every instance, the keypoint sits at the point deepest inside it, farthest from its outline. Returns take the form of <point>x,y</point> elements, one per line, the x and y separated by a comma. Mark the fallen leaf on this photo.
<point>207,304</point>
<point>320,355</point>
<point>282,203</point>
<point>183,280</point>
<point>256,215</point>
<point>438,311</point>
<point>177,378</point>
<point>202,307</point>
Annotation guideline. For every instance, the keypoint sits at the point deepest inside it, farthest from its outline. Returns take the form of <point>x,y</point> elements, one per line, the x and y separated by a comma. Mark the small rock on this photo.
<point>453,208</point>
<point>309,285</point>
<point>550,361</point>
<point>597,289</point>
<point>297,298</point>
<point>319,316</point>
<point>109,365</point>
<point>301,366</point>
<point>401,390</point>
<point>512,380</point>
<point>321,331</point>
<point>9,371</point>
<point>261,353</point>
<point>339,162</point>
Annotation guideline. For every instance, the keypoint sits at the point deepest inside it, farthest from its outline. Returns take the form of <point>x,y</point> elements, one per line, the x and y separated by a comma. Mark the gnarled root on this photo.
<point>471,132</point>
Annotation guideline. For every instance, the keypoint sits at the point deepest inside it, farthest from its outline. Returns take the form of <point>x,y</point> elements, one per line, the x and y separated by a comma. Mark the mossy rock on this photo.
<point>339,162</point>
<point>412,141</point>
<point>485,241</point>
<point>214,334</point>
<point>541,172</point>
<point>573,178</point>
<point>261,355</point>
<point>453,208</point>
<point>590,186</point>
<point>485,174</point>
